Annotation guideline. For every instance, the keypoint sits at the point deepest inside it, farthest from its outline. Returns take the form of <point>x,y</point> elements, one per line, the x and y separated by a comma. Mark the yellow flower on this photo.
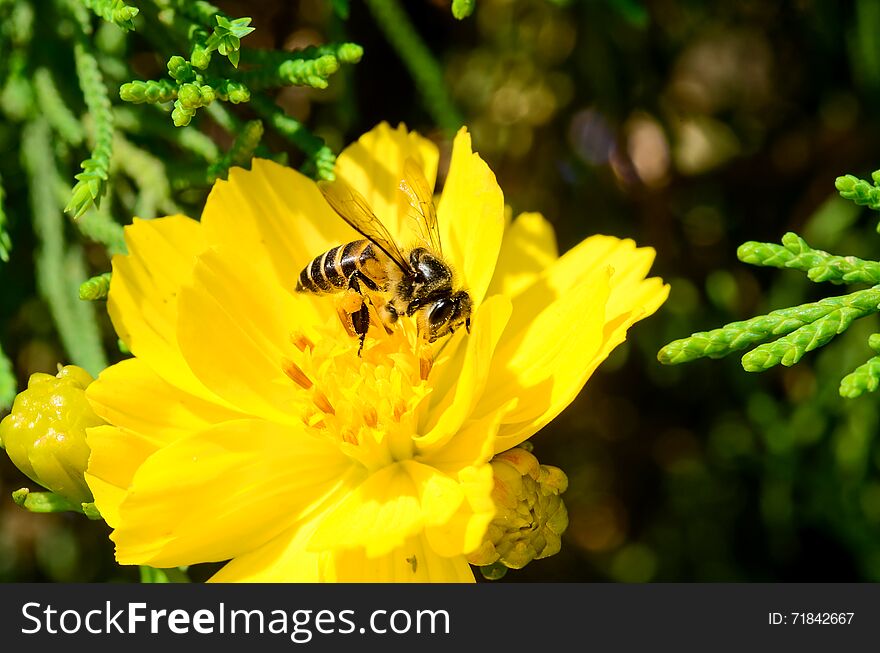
<point>246,428</point>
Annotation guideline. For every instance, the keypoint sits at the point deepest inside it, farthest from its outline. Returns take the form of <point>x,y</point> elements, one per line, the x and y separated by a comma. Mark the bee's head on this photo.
<point>445,314</point>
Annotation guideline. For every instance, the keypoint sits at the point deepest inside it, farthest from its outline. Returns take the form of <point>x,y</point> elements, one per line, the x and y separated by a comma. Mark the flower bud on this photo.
<point>200,57</point>
<point>530,516</point>
<point>45,435</point>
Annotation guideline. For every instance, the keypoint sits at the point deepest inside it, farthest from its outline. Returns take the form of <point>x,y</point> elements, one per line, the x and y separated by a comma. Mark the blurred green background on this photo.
<point>689,126</point>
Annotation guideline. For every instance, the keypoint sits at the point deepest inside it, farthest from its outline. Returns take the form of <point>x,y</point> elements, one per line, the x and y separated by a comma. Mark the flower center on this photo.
<point>368,403</point>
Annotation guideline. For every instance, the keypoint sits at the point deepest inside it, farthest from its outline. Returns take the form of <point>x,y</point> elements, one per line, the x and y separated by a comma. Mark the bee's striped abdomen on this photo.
<point>331,271</point>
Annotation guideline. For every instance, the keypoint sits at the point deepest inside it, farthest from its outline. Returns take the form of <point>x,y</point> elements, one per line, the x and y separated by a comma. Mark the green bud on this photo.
<point>189,96</point>
<point>326,65</point>
<point>208,94</point>
<point>237,92</point>
<point>200,57</point>
<point>350,53</point>
<point>180,69</point>
<point>461,9</point>
<point>45,434</point>
<point>181,116</point>
<point>530,516</point>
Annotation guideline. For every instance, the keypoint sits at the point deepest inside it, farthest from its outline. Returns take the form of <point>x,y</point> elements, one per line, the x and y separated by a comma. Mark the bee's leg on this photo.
<point>360,318</point>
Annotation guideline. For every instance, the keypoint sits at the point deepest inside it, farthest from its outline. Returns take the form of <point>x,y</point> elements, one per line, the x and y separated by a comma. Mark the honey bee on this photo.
<point>375,270</point>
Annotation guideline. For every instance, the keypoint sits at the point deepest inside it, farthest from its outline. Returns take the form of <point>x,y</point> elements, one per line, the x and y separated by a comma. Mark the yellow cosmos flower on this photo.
<point>246,428</point>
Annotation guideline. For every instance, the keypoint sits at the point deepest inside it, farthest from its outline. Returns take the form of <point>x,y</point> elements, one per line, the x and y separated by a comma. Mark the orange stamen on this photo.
<point>371,418</point>
<point>295,373</point>
<point>349,437</point>
<point>301,341</point>
<point>321,401</point>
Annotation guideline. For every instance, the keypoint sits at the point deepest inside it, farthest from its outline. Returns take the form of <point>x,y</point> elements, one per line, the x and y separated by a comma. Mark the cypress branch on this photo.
<point>92,181</point>
<point>148,91</point>
<point>149,175</point>
<point>859,191</point>
<point>241,152</point>
<point>189,140</point>
<point>739,335</point>
<point>321,161</point>
<point>311,66</point>
<point>55,110</point>
<point>865,378</point>
<point>789,349</point>
<point>98,225</point>
<point>114,11</point>
<point>95,288</point>
<point>58,271</point>
<point>820,266</point>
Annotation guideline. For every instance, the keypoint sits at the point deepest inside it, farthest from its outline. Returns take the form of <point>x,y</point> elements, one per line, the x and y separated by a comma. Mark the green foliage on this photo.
<point>241,152</point>
<point>820,266</point>
<point>92,181</point>
<point>114,11</point>
<point>95,288</point>
<point>312,66</point>
<point>461,9</point>
<point>59,267</point>
<point>226,38</point>
<point>861,192</point>
<point>808,326</point>
<point>65,123</point>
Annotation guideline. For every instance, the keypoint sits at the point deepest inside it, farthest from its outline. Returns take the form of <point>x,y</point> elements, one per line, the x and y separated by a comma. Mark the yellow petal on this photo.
<point>374,166</point>
<point>130,395</point>
<point>459,387</point>
<point>630,305</point>
<point>413,562</point>
<point>143,293</point>
<point>234,331</point>
<point>273,212</point>
<point>463,532</point>
<point>225,491</point>
<point>628,297</point>
<point>547,358</point>
<point>392,505</point>
<point>287,560</point>
<point>471,217</point>
<point>115,456</point>
<point>528,248</point>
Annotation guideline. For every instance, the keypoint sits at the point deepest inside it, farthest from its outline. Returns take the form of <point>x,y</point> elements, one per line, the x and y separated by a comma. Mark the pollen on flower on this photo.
<point>301,341</point>
<point>296,374</point>
<point>368,403</point>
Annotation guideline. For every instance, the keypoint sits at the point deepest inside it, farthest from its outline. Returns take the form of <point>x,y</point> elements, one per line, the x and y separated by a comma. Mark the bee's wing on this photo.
<point>354,209</point>
<point>418,194</point>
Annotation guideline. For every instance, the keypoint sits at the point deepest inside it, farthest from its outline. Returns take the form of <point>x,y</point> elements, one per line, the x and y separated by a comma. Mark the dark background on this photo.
<point>688,126</point>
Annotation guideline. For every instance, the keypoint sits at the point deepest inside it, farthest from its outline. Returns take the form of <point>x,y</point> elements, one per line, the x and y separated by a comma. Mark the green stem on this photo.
<point>424,68</point>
